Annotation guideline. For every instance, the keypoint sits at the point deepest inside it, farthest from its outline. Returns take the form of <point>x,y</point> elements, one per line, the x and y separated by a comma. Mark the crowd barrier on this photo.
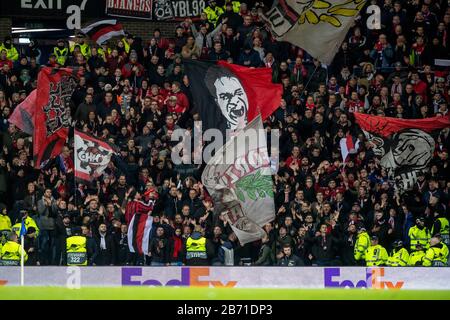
<point>239,277</point>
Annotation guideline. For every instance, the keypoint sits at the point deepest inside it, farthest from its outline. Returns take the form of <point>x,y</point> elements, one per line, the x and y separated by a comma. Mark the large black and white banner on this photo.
<point>404,147</point>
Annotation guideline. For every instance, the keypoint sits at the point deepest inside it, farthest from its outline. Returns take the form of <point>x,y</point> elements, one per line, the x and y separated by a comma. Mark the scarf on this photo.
<point>177,244</point>
<point>102,242</point>
<point>302,69</point>
<point>418,48</point>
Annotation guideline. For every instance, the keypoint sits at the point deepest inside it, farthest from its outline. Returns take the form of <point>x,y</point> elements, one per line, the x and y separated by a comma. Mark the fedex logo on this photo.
<point>373,279</point>
<point>189,277</point>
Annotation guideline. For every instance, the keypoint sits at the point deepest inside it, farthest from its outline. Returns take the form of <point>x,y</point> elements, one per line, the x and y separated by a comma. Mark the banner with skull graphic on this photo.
<point>404,147</point>
<point>92,156</point>
<point>51,119</point>
<point>228,96</point>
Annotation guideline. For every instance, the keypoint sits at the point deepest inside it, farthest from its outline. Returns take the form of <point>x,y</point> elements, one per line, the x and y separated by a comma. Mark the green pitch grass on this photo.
<point>168,293</point>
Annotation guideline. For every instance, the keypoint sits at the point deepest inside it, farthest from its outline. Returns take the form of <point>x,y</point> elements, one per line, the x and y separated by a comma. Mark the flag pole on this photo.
<point>22,269</point>
<point>74,171</point>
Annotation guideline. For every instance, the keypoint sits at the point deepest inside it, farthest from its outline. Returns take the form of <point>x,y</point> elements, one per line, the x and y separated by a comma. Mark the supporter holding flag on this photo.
<point>103,30</point>
<point>349,145</point>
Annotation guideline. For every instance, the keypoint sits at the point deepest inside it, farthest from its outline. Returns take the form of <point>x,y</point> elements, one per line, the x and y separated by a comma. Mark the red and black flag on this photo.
<point>103,30</point>
<point>229,96</point>
<point>23,115</point>
<point>405,147</point>
<point>92,156</point>
<point>52,112</point>
<point>139,231</point>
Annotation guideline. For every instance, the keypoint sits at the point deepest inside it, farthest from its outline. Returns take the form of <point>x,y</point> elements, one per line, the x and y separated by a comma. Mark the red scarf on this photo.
<point>418,48</point>
<point>177,243</point>
<point>310,106</point>
<point>302,69</point>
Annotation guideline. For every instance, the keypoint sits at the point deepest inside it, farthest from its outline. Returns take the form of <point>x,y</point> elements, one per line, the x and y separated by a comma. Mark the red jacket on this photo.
<point>420,88</point>
<point>127,70</point>
<point>6,61</point>
<point>182,100</point>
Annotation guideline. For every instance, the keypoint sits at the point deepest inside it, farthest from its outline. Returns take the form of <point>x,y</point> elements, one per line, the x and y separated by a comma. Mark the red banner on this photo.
<point>52,116</point>
<point>385,126</point>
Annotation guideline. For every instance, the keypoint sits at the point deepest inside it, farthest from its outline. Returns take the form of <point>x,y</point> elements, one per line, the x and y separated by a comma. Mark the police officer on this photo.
<point>399,256</point>
<point>416,257</point>
<point>11,51</point>
<point>441,226</point>
<point>76,249</point>
<point>437,254</point>
<point>12,251</point>
<point>361,245</point>
<point>376,255</point>
<point>85,49</point>
<point>61,52</point>
<point>213,11</point>
<point>198,248</point>
<point>419,234</point>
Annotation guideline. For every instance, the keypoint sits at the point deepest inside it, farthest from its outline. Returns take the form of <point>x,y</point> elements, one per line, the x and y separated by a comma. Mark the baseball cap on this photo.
<point>398,64</point>
<point>374,238</point>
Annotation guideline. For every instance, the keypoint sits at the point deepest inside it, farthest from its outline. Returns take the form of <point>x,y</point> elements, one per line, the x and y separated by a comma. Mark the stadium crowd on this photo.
<point>134,93</point>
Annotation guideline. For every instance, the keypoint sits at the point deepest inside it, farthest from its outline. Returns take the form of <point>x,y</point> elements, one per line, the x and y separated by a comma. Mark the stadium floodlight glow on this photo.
<point>24,40</point>
<point>35,30</point>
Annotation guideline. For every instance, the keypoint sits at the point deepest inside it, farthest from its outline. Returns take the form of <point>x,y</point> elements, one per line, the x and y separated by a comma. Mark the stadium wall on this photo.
<point>145,29</point>
<point>239,277</point>
<point>5,28</point>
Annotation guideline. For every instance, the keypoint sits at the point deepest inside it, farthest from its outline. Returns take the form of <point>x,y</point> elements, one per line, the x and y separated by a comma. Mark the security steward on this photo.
<point>29,222</point>
<point>416,257</point>
<point>213,11</point>
<point>236,5</point>
<point>361,245</point>
<point>399,256</point>
<point>76,249</point>
<point>5,224</point>
<point>85,49</point>
<point>441,226</point>
<point>376,255</point>
<point>11,51</point>
<point>61,52</point>
<point>437,254</point>
<point>11,252</point>
<point>419,234</point>
<point>198,248</point>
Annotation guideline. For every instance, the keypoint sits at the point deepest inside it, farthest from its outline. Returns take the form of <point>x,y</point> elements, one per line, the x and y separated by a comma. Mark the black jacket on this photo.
<point>291,261</point>
<point>105,256</point>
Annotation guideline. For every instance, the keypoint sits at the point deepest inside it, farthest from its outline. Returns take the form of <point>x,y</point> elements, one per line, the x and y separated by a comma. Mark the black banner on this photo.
<point>137,9</point>
<point>177,9</point>
<point>158,10</point>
